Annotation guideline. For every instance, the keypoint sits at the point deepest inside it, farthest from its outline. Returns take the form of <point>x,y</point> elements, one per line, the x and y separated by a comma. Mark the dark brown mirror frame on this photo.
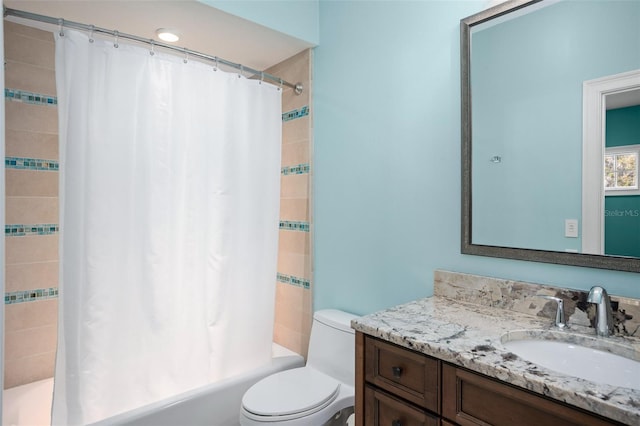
<point>618,263</point>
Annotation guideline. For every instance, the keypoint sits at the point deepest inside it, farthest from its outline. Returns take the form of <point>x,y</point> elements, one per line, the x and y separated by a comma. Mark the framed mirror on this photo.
<point>550,125</point>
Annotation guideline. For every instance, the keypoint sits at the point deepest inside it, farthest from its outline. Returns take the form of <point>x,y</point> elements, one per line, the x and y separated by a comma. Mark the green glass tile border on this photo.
<point>28,230</point>
<point>289,225</point>
<point>295,281</point>
<point>29,97</point>
<point>298,169</point>
<point>39,164</point>
<point>296,113</point>
<point>14,297</point>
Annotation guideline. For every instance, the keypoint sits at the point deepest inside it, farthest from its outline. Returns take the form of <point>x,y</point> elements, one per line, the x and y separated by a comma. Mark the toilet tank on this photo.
<point>332,345</point>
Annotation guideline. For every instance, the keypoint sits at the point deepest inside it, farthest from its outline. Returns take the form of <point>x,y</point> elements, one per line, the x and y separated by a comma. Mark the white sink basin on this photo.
<point>594,359</point>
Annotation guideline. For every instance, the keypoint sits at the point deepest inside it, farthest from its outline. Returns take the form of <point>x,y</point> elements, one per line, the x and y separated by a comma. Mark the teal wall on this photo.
<point>387,159</point>
<point>535,122</point>
<point>387,156</point>
<point>297,18</point>
<point>622,212</point>
<point>623,126</point>
<point>622,225</point>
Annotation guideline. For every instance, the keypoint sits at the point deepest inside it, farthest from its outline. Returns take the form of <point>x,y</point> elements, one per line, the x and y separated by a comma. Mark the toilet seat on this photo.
<point>289,395</point>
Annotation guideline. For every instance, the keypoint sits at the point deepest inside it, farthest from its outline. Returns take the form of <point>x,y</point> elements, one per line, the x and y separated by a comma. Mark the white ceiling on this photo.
<point>204,28</point>
<point>623,99</point>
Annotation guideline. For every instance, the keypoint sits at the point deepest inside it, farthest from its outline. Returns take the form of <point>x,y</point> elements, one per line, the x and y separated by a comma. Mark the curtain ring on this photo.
<point>215,67</point>
<point>241,71</point>
<point>115,41</point>
<point>281,82</point>
<point>60,25</point>
<point>261,76</point>
<point>186,56</point>
<point>152,52</point>
<point>91,34</point>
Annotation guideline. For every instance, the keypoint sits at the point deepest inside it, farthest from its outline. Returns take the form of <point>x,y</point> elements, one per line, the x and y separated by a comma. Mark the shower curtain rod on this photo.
<point>297,87</point>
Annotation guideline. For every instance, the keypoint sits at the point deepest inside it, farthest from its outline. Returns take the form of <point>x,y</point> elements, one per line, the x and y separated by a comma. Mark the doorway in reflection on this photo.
<point>622,192</point>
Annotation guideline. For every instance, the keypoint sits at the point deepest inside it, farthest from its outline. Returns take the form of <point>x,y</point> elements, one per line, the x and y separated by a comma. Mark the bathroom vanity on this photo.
<point>442,360</point>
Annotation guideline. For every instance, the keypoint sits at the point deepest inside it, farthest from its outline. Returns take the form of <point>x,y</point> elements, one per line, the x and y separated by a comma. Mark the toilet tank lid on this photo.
<point>334,318</point>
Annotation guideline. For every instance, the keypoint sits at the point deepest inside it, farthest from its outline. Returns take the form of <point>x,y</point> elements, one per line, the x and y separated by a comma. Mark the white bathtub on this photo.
<point>217,404</point>
<point>28,404</point>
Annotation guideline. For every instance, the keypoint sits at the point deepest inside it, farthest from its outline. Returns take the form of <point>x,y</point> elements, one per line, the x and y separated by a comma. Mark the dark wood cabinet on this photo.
<point>410,375</point>
<point>471,399</point>
<point>382,408</point>
<point>396,386</point>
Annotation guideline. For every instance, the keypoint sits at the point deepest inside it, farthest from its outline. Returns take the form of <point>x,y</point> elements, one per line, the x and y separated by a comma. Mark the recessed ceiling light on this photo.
<point>168,34</point>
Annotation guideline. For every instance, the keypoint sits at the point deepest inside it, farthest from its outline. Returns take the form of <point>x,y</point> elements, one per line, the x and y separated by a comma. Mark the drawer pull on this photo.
<point>397,372</point>
<point>396,423</point>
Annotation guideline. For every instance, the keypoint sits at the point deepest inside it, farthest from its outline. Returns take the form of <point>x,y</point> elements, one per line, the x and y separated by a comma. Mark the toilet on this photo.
<point>320,393</point>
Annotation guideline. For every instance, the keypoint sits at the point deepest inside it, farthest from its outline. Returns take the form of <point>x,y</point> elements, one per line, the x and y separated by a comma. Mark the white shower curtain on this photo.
<point>170,182</point>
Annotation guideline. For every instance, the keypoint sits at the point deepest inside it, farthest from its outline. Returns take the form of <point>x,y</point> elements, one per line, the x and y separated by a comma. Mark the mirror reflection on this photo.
<point>527,75</point>
<point>621,189</point>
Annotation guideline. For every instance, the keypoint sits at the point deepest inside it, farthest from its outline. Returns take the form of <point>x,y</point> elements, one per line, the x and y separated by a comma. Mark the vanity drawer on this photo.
<point>471,399</point>
<point>382,409</point>
<point>402,372</point>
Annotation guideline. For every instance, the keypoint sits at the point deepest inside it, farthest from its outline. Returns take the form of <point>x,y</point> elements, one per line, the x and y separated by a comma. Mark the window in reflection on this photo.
<point>621,169</point>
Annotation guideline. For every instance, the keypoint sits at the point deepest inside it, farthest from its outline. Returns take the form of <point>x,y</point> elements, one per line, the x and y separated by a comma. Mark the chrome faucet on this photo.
<point>604,314</point>
<point>560,321</point>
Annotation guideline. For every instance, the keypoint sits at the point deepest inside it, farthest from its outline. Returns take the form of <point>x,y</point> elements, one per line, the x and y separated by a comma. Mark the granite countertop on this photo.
<point>469,335</point>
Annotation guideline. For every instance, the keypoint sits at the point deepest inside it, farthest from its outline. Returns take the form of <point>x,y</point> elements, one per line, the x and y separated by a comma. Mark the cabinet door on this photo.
<point>382,409</point>
<point>472,399</point>
<point>402,372</point>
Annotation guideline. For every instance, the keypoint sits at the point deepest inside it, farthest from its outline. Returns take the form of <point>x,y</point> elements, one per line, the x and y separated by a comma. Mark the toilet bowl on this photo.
<point>312,395</point>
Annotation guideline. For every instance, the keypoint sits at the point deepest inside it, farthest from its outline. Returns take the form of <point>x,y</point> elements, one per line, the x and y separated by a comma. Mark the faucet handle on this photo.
<point>560,320</point>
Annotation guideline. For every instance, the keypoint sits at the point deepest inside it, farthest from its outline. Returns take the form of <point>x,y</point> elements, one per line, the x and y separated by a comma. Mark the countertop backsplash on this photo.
<point>522,297</point>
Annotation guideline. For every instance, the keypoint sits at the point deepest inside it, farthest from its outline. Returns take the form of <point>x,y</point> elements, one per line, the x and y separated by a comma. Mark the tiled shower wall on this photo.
<point>293,293</point>
<point>31,230</point>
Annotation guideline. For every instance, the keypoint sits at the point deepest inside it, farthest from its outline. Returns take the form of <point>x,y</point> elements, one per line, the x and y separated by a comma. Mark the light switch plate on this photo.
<point>571,228</point>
